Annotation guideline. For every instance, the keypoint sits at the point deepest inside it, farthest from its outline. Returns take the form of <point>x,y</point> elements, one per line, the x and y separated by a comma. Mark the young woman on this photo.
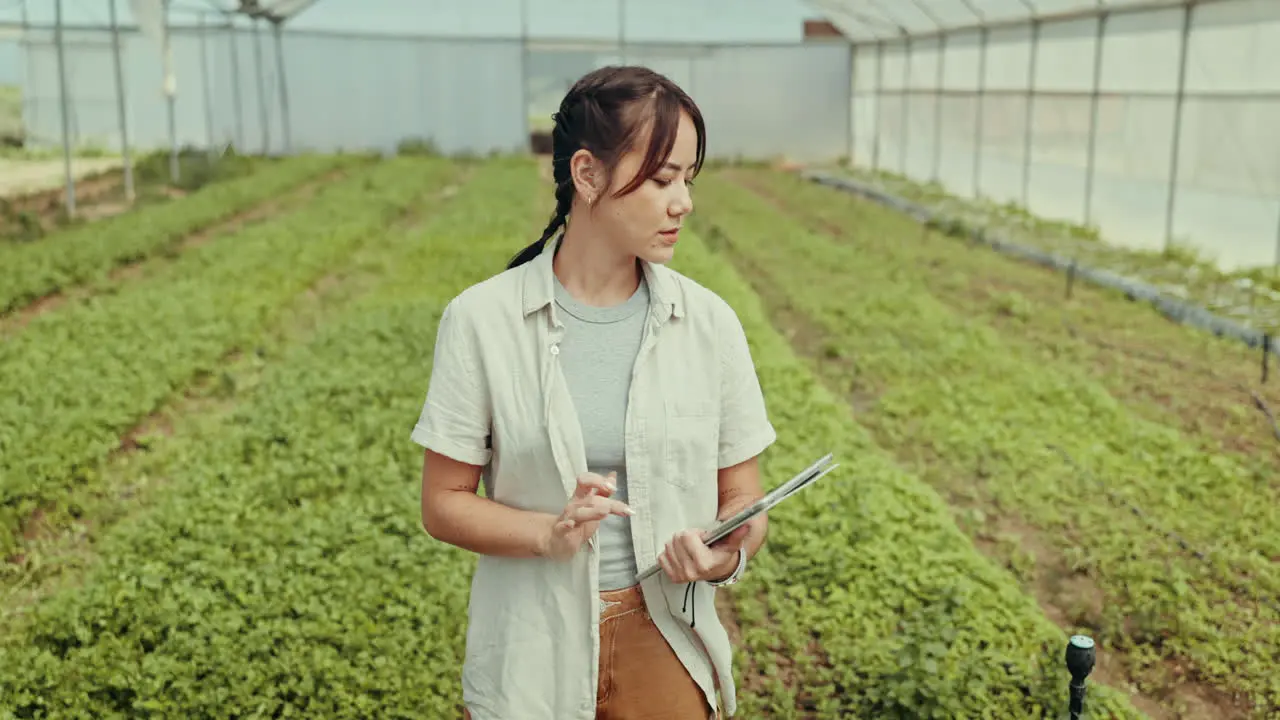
<point>612,410</point>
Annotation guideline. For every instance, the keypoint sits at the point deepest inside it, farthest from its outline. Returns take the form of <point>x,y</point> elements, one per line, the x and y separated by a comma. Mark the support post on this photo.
<point>875,148</point>
<point>1031,106</point>
<point>281,80</point>
<point>937,108</point>
<point>1175,152</point>
<point>170,93</point>
<point>122,114</point>
<point>264,116</point>
<point>205,89</point>
<point>1091,162</point>
<point>906,110</point>
<point>237,94</point>
<point>622,31</point>
<point>982,102</point>
<point>525,110</point>
<point>850,128</point>
<point>68,179</point>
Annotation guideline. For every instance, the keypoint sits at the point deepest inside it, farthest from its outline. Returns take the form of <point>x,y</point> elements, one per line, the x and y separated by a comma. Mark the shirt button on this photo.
<point>555,349</point>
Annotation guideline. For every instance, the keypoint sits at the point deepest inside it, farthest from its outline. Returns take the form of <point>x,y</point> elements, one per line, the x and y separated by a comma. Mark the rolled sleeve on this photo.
<point>456,417</point>
<point>745,429</point>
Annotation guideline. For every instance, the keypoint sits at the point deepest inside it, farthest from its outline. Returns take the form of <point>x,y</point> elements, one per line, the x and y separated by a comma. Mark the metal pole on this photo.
<point>622,31</point>
<point>277,27</point>
<point>1276,265</point>
<point>122,113</point>
<point>66,120</point>
<point>236,90</point>
<point>906,108</point>
<point>982,101</point>
<point>170,91</point>
<point>524,72</point>
<point>1031,105</point>
<point>850,129</point>
<point>263,117</point>
<point>875,147</point>
<point>1094,102</point>
<point>937,109</point>
<point>206,91</point>
<point>1176,150</point>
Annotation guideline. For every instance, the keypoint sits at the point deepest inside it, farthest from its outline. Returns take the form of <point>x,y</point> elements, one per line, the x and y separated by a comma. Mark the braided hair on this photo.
<point>604,113</point>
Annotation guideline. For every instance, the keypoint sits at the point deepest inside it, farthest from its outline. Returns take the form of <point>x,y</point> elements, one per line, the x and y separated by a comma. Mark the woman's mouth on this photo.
<point>670,235</point>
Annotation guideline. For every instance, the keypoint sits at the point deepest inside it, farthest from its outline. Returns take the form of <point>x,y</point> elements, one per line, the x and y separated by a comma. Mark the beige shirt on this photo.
<point>497,398</point>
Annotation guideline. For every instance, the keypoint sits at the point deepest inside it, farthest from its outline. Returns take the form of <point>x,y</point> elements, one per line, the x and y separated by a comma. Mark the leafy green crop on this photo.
<point>283,571</point>
<point>1165,371</point>
<point>75,380</point>
<point>984,420</point>
<point>32,270</point>
<point>907,618</point>
<point>1250,295</point>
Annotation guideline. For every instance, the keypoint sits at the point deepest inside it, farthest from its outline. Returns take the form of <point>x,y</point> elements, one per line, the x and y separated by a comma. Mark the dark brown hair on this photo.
<point>605,112</point>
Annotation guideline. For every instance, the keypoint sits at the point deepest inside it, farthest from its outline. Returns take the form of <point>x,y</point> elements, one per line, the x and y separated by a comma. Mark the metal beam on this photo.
<point>1035,15</point>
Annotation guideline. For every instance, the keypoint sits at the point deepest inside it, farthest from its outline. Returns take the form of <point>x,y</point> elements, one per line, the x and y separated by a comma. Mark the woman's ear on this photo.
<point>588,176</point>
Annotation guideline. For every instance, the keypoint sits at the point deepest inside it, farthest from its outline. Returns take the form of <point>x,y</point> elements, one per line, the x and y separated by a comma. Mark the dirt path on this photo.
<point>21,177</point>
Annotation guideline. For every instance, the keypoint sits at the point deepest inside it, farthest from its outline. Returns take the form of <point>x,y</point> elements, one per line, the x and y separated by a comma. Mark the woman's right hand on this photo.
<point>591,503</point>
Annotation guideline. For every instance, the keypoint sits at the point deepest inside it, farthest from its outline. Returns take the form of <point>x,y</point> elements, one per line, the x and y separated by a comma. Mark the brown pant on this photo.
<point>640,676</point>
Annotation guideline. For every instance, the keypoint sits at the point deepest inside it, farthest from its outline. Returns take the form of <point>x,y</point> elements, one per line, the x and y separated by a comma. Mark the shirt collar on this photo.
<point>539,283</point>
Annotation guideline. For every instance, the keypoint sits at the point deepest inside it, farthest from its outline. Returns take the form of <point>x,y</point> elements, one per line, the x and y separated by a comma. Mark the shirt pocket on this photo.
<point>692,429</point>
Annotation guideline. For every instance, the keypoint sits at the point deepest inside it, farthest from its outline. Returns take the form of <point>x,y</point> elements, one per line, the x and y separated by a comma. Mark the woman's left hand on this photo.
<point>687,558</point>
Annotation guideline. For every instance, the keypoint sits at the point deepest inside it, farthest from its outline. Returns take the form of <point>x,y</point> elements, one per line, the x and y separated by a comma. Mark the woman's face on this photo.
<point>646,222</point>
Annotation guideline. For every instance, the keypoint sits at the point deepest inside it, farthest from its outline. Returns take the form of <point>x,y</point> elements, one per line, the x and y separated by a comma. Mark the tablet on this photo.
<point>801,481</point>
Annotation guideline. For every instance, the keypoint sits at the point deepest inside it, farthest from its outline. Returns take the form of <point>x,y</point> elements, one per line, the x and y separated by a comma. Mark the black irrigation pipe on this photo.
<point>1172,308</point>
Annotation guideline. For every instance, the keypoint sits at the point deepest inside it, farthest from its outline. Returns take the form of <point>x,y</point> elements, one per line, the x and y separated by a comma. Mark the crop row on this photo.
<point>32,270</point>
<point>1165,371</point>
<point>283,571</point>
<point>76,379</point>
<point>989,422</point>
<point>868,567</point>
<point>1250,296</point>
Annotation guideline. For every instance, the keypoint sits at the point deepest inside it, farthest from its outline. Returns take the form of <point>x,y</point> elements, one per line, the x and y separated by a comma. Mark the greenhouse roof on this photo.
<point>862,20</point>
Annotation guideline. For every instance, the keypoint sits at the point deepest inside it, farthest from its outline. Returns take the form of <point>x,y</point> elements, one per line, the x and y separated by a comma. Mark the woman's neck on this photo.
<point>592,271</point>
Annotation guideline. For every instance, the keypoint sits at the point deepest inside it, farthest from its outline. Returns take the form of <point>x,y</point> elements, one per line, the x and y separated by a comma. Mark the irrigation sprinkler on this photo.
<point>1080,660</point>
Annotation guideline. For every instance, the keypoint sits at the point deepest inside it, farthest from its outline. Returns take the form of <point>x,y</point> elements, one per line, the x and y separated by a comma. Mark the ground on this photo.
<point>208,495</point>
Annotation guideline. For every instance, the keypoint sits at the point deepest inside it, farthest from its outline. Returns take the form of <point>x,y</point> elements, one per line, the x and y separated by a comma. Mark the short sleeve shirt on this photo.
<point>497,398</point>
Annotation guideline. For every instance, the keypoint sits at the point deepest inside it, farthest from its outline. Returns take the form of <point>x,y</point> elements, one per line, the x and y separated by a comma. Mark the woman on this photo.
<point>612,410</point>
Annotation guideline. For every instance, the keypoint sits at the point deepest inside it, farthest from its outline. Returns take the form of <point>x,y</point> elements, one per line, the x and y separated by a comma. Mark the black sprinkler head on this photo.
<point>1080,657</point>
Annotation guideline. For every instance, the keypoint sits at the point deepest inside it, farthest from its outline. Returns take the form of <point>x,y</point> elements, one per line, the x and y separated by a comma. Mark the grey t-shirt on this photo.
<point>597,353</point>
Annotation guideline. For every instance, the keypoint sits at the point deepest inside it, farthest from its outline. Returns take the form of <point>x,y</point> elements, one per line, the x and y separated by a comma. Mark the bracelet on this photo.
<point>737,572</point>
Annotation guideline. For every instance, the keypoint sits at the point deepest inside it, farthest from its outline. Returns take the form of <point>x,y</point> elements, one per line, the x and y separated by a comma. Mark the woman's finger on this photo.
<point>587,513</point>
<point>594,484</point>
<point>608,506</point>
<point>697,558</point>
<point>669,566</point>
